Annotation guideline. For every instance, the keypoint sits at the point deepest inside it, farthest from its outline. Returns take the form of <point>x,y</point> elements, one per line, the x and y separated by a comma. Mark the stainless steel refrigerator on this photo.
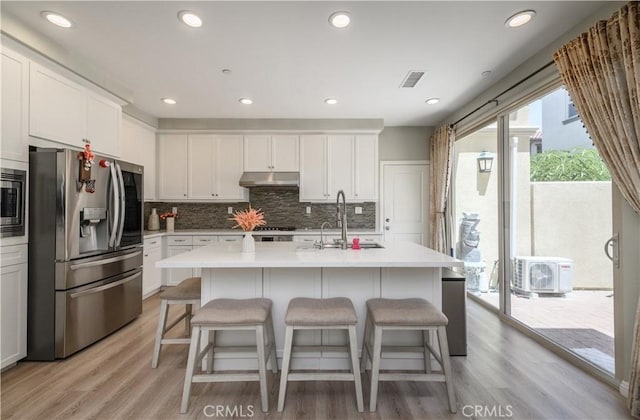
<point>85,250</point>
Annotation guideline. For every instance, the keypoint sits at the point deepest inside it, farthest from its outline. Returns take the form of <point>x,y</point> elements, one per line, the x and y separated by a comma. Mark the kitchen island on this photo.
<point>284,270</point>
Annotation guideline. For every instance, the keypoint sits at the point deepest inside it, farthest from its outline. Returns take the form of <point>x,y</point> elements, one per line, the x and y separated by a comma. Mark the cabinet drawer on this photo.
<point>152,243</point>
<point>204,240</point>
<point>180,240</point>
<point>230,238</point>
<point>14,254</point>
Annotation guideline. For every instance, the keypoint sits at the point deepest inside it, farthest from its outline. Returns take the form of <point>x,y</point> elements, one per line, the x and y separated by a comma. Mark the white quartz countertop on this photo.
<point>292,254</point>
<point>195,232</point>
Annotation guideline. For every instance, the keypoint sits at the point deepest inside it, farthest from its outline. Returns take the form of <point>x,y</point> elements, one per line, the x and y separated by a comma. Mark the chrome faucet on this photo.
<point>321,244</point>
<point>342,216</point>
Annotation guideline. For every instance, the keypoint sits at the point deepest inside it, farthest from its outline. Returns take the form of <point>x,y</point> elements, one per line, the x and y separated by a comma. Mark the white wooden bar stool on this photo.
<point>324,314</point>
<point>187,293</point>
<point>231,314</point>
<point>406,314</point>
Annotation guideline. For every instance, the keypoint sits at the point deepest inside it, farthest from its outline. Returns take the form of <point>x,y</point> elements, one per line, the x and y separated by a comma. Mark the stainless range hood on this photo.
<point>270,179</point>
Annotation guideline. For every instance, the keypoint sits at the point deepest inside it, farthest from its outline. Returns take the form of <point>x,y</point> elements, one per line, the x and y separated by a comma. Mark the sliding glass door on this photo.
<point>532,207</point>
<point>561,281</point>
<point>476,227</point>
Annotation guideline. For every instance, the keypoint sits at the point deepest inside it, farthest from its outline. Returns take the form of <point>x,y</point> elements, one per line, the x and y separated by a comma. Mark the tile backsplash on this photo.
<point>280,206</point>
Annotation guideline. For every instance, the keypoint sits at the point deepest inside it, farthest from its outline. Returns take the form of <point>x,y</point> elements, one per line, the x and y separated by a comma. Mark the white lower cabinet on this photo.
<point>13,298</point>
<point>151,275</point>
<point>179,244</point>
<point>176,275</point>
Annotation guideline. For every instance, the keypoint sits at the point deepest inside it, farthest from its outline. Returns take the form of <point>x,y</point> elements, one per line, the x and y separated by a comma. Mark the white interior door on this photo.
<point>405,202</point>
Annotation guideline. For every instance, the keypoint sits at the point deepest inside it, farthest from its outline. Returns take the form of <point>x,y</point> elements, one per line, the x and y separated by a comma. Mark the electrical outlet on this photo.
<point>358,210</point>
<point>308,209</point>
<point>229,210</point>
<point>174,210</point>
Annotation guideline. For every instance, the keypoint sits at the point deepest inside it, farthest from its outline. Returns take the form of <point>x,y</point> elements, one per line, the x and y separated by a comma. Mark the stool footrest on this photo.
<point>226,377</point>
<point>335,349</point>
<point>430,377</point>
<point>320,376</point>
<point>175,341</point>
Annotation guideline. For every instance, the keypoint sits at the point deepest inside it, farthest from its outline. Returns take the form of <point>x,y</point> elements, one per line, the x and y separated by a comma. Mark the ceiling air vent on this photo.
<point>412,79</point>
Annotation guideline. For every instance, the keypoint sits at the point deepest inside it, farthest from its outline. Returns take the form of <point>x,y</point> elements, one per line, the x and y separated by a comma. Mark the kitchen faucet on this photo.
<point>321,244</point>
<point>342,216</point>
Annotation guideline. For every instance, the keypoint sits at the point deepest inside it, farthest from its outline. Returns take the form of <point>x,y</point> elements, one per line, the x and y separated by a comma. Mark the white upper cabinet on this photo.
<point>329,163</point>
<point>201,183</point>
<point>14,92</point>
<point>267,153</point>
<point>104,120</point>
<point>228,168</point>
<point>57,107</point>
<point>313,168</point>
<point>138,145</point>
<point>211,165</point>
<point>66,112</point>
<point>366,168</point>
<point>172,166</point>
<point>340,165</point>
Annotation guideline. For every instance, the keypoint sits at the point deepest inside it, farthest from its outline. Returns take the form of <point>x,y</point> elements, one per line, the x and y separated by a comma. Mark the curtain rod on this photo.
<point>495,99</point>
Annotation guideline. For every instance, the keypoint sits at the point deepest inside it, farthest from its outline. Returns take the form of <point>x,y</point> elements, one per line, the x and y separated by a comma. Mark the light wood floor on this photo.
<point>506,374</point>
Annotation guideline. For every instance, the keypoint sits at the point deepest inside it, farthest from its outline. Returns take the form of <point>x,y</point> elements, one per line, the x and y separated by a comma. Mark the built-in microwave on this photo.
<point>12,199</point>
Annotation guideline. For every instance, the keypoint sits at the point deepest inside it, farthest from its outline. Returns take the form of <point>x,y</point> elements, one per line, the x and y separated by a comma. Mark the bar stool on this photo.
<point>406,314</point>
<point>231,314</point>
<point>320,314</point>
<point>187,293</point>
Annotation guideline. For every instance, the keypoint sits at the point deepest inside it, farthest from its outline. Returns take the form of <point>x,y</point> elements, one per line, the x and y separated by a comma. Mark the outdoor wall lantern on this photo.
<point>485,162</point>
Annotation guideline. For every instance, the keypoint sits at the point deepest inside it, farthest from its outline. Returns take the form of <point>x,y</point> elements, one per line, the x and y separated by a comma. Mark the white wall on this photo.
<point>404,143</point>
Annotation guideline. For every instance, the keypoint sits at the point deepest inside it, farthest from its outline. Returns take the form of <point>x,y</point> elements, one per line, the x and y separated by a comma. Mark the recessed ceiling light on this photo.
<point>340,19</point>
<point>56,19</point>
<point>331,101</point>
<point>486,73</point>
<point>520,18</point>
<point>246,101</point>
<point>190,19</point>
<point>169,101</point>
<point>432,101</point>
<point>226,71</point>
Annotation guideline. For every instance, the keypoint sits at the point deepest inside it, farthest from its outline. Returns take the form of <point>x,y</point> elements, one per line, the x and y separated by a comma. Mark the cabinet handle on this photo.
<point>184,195</point>
<point>178,240</point>
<point>146,255</point>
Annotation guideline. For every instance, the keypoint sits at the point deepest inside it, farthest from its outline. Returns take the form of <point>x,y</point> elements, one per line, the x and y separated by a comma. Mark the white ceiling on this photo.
<point>286,57</point>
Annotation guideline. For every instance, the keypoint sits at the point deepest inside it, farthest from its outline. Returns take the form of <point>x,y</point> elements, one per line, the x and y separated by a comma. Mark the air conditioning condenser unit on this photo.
<point>543,274</point>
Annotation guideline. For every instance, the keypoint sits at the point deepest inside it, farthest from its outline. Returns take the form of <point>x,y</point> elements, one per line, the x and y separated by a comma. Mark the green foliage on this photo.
<point>579,164</point>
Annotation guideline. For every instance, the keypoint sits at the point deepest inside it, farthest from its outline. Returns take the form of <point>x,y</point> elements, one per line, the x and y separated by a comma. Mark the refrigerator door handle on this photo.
<point>115,207</point>
<point>122,202</point>
<point>104,261</point>
<point>105,287</point>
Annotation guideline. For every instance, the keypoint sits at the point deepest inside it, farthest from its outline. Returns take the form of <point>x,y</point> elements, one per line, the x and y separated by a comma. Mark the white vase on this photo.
<point>154,220</point>
<point>170,224</point>
<point>248,243</point>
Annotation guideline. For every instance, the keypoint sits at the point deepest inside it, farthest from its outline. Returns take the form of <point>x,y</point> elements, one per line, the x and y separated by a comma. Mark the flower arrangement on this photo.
<point>249,219</point>
<point>168,214</point>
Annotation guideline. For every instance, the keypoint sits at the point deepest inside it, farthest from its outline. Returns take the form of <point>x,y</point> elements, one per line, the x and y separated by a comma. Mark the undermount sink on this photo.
<point>363,245</point>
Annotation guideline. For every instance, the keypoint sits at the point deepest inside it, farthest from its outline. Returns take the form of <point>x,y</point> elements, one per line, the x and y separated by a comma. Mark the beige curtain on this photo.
<point>440,176</point>
<point>601,69</point>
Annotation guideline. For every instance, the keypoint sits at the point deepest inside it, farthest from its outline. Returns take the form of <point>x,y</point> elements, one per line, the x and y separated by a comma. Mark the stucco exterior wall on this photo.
<point>573,220</point>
